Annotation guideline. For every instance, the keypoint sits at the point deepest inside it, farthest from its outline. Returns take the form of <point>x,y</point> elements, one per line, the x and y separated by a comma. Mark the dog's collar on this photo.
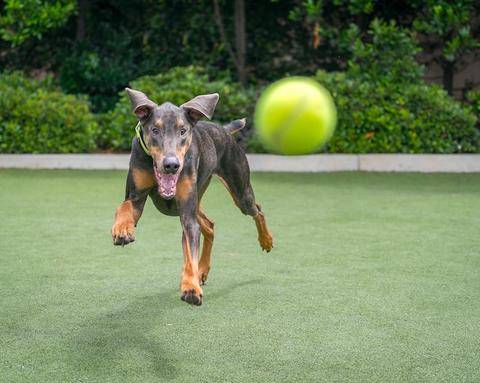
<point>138,131</point>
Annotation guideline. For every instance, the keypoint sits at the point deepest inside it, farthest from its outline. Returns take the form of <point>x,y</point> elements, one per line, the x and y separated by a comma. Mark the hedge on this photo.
<point>389,118</point>
<point>35,117</point>
<point>374,116</point>
<point>385,107</point>
<point>473,99</point>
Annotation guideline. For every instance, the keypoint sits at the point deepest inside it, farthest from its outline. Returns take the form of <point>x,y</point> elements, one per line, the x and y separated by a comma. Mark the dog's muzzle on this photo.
<point>167,183</point>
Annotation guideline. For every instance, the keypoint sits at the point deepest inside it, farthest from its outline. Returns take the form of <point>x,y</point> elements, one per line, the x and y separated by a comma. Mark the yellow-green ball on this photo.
<point>295,115</point>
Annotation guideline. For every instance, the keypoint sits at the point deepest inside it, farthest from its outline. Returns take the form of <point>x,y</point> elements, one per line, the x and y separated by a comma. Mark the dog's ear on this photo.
<point>201,106</point>
<point>142,106</point>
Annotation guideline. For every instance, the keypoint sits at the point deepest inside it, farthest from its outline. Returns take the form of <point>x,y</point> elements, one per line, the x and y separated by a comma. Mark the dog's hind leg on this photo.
<point>235,175</point>
<point>264,236</point>
<point>206,228</point>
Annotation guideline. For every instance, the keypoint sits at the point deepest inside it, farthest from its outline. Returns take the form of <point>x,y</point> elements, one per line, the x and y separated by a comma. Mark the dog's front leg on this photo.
<point>190,289</point>
<point>139,184</point>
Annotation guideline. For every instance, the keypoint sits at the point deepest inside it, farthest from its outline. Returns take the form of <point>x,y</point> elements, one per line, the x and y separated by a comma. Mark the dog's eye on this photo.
<point>183,131</point>
<point>155,130</point>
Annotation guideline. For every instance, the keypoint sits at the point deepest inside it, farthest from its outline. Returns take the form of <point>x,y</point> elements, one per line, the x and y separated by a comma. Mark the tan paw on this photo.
<point>191,293</point>
<point>123,233</point>
<point>266,241</point>
<point>203,273</point>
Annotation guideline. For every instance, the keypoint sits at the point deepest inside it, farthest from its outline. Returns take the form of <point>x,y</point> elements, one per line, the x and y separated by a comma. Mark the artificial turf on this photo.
<point>374,277</point>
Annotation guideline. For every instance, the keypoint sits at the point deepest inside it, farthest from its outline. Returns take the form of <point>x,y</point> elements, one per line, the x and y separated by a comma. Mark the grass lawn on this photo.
<point>374,277</point>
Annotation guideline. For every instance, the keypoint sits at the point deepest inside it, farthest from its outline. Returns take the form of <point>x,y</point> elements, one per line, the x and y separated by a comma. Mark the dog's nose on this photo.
<point>171,164</point>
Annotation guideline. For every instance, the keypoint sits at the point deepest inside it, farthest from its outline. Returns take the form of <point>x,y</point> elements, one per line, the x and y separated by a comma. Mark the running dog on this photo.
<point>173,158</point>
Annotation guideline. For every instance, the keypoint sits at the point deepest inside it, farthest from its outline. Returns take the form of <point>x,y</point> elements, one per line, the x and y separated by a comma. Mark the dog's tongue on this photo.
<point>167,184</point>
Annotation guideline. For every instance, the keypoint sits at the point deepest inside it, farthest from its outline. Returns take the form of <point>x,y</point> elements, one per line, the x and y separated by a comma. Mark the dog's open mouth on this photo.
<point>167,183</point>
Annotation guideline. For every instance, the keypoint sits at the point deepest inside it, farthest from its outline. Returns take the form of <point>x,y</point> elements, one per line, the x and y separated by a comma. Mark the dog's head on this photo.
<point>167,131</point>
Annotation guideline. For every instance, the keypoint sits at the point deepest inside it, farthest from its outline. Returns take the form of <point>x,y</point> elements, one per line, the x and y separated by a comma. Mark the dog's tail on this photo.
<point>235,125</point>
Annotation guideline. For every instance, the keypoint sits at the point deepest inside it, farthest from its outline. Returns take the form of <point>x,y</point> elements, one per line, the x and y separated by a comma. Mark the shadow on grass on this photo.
<point>120,343</point>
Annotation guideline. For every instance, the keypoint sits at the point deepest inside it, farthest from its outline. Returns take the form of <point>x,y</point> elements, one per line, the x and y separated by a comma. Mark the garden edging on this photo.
<point>425,163</point>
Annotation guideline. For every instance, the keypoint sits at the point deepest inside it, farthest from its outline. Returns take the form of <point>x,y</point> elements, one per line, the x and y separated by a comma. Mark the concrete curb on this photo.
<point>64,161</point>
<point>425,163</point>
<point>312,163</point>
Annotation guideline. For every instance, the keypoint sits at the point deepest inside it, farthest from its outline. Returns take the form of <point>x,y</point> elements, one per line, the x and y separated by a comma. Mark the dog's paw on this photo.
<point>123,233</point>
<point>203,273</point>
<point>191,294</point>
<point>266,241</point>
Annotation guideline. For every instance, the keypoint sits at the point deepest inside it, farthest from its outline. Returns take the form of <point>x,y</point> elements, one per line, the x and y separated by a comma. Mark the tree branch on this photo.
<point>221,29</point>
<point>240,38</point>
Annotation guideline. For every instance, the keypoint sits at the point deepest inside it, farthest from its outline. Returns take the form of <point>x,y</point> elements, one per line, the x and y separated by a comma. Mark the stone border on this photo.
<point>425,163</point>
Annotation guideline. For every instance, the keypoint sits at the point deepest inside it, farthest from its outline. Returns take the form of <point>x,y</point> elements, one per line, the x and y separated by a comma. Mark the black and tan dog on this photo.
<point>173,159</point>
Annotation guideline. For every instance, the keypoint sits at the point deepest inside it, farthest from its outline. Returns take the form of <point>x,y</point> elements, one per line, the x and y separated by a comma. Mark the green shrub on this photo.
<point>37,118</point>
<point>385,107</point>
<point>177,85</point>
<point>386,54</point>
<point>473,99</point>
<point>388,118</point>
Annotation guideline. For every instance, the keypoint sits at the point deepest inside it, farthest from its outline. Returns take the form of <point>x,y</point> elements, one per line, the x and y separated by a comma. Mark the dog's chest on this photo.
<point>167,207</point>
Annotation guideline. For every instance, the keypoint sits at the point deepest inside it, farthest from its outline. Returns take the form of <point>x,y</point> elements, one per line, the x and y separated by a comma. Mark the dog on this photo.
<point>173,158</point>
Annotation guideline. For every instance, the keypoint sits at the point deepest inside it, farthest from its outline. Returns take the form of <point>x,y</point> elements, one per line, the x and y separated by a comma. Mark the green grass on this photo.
<point>374,277</point>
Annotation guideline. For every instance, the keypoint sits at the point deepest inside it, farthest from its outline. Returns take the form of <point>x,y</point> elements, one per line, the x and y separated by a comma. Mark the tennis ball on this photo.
<point>295,115</point>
